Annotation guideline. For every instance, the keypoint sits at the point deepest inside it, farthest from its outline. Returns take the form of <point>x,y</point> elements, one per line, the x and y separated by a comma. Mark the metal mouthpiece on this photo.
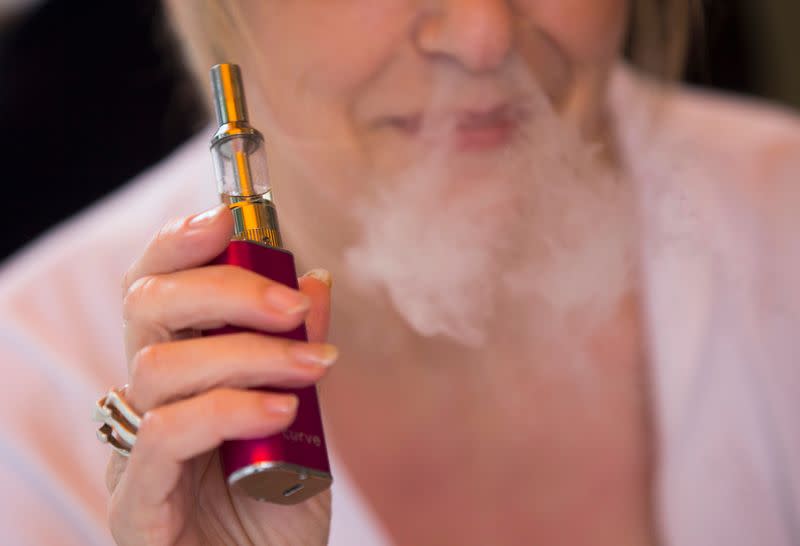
<point>229,103</point>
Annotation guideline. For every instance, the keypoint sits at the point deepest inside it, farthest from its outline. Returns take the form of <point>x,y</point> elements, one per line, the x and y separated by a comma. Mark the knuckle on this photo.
<point>152,426</point>
<point>167,233</point>
<point>145,365</point>
<point>139,292</point>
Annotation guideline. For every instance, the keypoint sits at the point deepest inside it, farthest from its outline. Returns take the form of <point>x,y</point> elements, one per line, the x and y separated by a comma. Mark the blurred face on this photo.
<point>361,98</point>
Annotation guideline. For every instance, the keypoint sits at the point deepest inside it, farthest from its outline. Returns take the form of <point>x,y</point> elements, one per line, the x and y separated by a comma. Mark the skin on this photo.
<point>572,467</point>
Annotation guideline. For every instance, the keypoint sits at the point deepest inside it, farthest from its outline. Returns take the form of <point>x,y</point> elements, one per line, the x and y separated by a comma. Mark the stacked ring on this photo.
<point>120,421</point>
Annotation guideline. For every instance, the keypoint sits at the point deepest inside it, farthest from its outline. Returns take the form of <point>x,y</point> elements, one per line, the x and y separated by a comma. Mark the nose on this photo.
<point>477,34</point>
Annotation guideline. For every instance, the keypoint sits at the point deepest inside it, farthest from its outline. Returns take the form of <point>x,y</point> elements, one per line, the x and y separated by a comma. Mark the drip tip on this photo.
<point>229,103</point>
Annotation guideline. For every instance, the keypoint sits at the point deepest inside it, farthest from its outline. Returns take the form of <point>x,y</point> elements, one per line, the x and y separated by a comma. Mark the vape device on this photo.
<point>293,466</point>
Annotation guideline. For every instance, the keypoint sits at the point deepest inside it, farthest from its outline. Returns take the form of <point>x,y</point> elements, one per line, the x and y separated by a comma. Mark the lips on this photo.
<point>481,119</point>
<point>485,130</point>
<point>468,129</point>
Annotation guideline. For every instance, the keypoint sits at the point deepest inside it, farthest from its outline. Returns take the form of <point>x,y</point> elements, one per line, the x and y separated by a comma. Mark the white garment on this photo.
<point>722,262</point>
<point>720,191</point>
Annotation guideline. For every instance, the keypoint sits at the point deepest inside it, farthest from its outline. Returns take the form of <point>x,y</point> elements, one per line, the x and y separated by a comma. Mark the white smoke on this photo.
<point>538,237</point>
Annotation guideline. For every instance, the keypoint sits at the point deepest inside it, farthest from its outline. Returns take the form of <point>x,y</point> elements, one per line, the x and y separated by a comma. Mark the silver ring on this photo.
<point>120,421</point>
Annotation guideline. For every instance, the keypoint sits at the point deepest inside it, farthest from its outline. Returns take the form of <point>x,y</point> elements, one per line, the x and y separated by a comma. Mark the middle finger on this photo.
<point>167,372</point>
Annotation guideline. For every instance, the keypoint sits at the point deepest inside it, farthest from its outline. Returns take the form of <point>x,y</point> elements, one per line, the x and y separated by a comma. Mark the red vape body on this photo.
<point>292,466</point>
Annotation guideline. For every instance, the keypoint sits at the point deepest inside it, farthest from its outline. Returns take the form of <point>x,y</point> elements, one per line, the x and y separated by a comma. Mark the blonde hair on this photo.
<point>660,34</point>
<point>214,31</point>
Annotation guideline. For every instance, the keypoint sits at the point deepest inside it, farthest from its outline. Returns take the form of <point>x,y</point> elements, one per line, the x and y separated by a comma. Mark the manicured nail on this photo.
<point>280,404</point>
<point>318,354</point>
<point>322,275</point>
<point>285,300</point>
<point>205,218</point>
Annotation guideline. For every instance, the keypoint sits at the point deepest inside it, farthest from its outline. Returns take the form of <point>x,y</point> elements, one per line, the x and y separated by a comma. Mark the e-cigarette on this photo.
<point>293,466</point>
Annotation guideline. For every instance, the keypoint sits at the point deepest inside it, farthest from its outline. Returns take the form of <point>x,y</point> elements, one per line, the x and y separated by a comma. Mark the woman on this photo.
<point>563,292</point>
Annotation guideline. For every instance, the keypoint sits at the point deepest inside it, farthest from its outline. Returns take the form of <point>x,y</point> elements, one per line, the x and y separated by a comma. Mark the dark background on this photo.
<point>92,92</point>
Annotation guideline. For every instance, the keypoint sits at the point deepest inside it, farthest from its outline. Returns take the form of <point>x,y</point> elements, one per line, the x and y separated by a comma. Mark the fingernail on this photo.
<point>285,300</point>
<point>322,275</point>
<point>319,354</point>
<point>205,218</point>
<point>281,404</point>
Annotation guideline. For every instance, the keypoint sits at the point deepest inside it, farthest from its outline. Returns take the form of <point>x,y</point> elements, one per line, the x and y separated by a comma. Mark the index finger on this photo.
<point>183,243</point>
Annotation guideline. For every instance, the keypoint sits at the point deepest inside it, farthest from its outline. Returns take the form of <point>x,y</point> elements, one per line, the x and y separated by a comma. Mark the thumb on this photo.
<point>316,284</point>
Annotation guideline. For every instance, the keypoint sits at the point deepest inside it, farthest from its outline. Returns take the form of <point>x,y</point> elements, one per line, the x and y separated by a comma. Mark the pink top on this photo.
<point>720,184</point>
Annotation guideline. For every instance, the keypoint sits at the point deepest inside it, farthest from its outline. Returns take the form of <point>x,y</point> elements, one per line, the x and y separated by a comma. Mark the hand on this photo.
<point>193,391</point>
